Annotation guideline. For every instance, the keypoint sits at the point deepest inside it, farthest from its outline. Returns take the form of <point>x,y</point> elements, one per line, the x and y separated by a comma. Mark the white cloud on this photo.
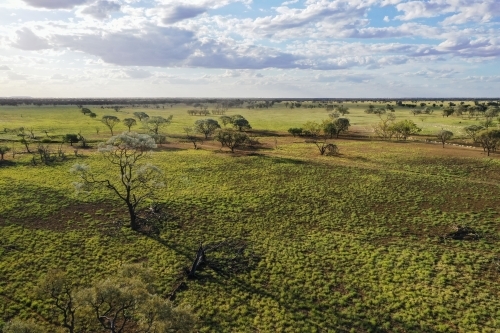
<point>137,73</point>
<point>101,9</point>
<point>27,40</point>
<point>178,13</point>
<point>463,11</point>
<point>55,4</point>
<point>59,77</point>
<point>173,11</point>
<point>298,45</point>
<point>481,79</point>
<point>16,77</point>
<point>344,77</point>
<point>157,47</point>
<point>482,11</point>
<point>418,9</point>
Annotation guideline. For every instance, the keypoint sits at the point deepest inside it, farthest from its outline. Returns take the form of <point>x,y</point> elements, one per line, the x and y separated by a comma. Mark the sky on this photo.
<point>250,48</point>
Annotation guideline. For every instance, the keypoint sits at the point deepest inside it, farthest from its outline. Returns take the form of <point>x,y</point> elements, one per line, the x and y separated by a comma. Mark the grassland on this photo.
<point>345,244</point>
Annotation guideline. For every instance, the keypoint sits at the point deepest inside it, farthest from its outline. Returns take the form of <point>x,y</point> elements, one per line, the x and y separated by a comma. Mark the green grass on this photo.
<point>349,243</point>
<point>67,119</point>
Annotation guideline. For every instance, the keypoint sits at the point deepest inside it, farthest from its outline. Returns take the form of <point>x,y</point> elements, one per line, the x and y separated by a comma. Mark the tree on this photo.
<point>312,128</point>
<point>489,140</point>
<point>25,139</point>
<point>341,125</point>
<point>136,182</point>
<point>70,138</point>
<point>19,326</point>
<point>225,120</point>
<point>82,140</point>
<point>416,112</point>
<point>448,111</point>
<point>404,128</point>
<point>370,109</point>
<point>379,111</point>
<point>231,138</point>
<point>110,122</point>
<point>92,115</point>
<point>329,128</point>
<point>3,150</point>
<point>86,111</point>
<point>206,127</point>
<point>428,110</point>
<point>129,122</point>
<point>384,128</point>
<point>334,115</point>
<point>325,147</point>
<point>57,288</point>
<point>191,137</point>
<point>488,118</point>
<point>240,122</point>
<point>125,302</point>
<point>472,130</point>
<point>141,115</point>
<point>444,136</point>
<point>343,110</point>
<point>155,123</point>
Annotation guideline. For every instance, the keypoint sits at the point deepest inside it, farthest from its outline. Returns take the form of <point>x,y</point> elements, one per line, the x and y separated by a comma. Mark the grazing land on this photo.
<point>358,242</point>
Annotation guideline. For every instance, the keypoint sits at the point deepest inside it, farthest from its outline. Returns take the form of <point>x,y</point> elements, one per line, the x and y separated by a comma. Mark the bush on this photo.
<point>295,131</point>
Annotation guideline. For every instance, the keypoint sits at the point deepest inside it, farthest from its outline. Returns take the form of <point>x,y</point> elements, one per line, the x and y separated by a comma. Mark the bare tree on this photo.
<point>136,182</point>
<point>59,291</point>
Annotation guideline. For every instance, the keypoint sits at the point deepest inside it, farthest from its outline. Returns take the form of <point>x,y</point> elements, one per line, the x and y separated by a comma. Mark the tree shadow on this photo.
<point>164,147</point>
<point>283,160</point>
<point>267,133</point>
<point>7,163</point>
<point>345,322</point>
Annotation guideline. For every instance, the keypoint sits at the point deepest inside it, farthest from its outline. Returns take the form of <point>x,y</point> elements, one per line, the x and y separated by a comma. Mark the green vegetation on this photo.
<point>345,243</point>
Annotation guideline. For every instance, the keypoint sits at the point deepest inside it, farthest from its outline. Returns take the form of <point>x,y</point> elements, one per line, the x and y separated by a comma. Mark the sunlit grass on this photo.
<point>347,243</point>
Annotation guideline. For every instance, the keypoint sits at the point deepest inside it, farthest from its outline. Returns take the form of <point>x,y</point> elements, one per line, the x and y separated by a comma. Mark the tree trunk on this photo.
<point>200,257</point>
<point>133,217</point>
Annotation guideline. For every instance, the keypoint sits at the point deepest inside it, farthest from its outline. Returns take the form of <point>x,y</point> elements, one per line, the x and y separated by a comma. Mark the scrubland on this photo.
<point>349,243</point>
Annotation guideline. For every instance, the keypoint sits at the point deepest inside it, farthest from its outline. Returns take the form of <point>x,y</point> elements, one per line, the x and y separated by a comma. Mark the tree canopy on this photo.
<point>136,182</point>
<point>206,127</point>
<point>110,122</point>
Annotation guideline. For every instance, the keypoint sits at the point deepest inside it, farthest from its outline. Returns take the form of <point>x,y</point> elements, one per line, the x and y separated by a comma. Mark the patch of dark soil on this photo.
<point>76,216</point>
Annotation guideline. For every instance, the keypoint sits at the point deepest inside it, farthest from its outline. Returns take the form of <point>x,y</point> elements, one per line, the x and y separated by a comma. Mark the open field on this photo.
<point>67,119</point>
<point>350,243</point>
